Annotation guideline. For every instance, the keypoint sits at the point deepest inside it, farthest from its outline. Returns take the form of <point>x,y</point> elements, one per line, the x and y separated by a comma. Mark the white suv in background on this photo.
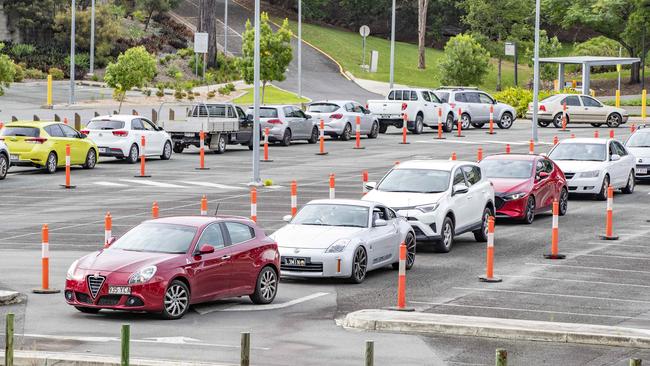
<point>475,106</point>
<point>439,198</point>
<point>120,136</point>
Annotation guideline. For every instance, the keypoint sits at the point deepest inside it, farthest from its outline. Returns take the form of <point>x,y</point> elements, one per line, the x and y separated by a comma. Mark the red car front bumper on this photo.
<point>143,297</point>
<point>515,209</point>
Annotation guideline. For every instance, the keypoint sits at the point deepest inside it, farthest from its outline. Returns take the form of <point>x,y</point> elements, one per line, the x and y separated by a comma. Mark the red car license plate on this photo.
<point>119,290</point>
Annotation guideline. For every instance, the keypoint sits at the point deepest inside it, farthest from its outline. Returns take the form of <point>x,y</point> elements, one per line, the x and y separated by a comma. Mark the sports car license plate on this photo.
<point>642,171</point>
<point>119,290</point>
<point>296,261</point>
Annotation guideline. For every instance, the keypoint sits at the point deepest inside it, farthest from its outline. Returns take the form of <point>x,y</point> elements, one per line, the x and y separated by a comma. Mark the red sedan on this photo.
<point>525,185</point>
<point>168,264</point>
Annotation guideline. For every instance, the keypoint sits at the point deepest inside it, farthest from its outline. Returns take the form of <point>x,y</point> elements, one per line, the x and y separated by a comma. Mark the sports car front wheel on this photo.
<point>410,252</point>
<point>359,265</point>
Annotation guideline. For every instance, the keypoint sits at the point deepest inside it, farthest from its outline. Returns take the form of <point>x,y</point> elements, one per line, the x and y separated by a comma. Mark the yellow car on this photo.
<point>42,144</point>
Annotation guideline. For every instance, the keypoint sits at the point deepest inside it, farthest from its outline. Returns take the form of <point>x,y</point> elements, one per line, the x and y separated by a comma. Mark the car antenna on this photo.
<point>216,210</point>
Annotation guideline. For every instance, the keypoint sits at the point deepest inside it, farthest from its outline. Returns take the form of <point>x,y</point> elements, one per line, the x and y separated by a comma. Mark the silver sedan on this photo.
<point>340,116</point>
<point>286,123</point>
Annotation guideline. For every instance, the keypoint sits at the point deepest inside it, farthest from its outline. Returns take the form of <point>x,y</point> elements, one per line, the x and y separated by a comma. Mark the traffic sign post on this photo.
<point>364,31</point>
<point>200,46</point>
<point>511,50</point>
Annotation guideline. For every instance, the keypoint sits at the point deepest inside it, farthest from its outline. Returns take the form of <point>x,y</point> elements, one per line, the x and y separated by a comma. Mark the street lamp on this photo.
<point>92,38</point>
<point>392,47</point>
<point>72,47</point>
<point>300,49</point>
<point>256,99</point>
<point>225,29</point>
<point>536,72</point>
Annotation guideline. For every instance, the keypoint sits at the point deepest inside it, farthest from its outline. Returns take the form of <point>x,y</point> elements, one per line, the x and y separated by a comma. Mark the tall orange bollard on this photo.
<point>253,204</point>
<point>401,281</point>
<point>364,181</point>
<point>357,144</point>
<point>404,123</point>
<point>491,131</point>
<point>202,151</point>
<point>609,224</point>
<point>67,184</point>
<point>459,125</point>
<point>531,146</point>
<point>266,145</point>
<point>453,156</point>
<point>294,198</point>
<point>632,128</point>
<point>155,211</point>
<point>143,144</point>
<point>332,186</point>
<point>204,205</point>
<point>440,136</point>
<point>479,154</point>
<point>45,264</point>
<point>555,140</point>
<point>507,148</point>
<point>489,271</point>
<point>108,229</point>
<point>611,133</point>
<point>564,118</point>
<point>321,139</point>
<point>555,234</point>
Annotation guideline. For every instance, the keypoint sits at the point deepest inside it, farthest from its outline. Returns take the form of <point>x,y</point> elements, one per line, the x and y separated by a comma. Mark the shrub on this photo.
<point>178,94</point>
<point>190,96</point>
<point>223,91</point>
<point>139,15</point>
<point>465,62</point>
<point>268,182</point>
<point>34,74</point>
<point>211,94</point>
<point>598,46</point>
<point>185,52</point>
<point>22,50</point>
<point>57,74</point>
<point>19,73</point>
<point>193,65</point>
<point>172,71</point>
<point>95,77</point>
<point>519,98</point>
<point>231,87</point>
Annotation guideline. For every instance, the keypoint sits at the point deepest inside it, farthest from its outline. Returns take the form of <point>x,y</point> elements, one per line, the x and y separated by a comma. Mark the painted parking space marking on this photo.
<point>110,184</point>
<point>641,258</point>
<point>212,185</point>
<point>203,310</point>
<point>576,281</point>
<point>152,183</point>
<point>548,294</point>
<point>588,267</point>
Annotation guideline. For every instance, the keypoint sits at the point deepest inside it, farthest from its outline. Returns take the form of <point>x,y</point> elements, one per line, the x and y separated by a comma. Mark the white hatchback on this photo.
<point>590,165</point>
<point>439,198</point>
<point>120,136</point>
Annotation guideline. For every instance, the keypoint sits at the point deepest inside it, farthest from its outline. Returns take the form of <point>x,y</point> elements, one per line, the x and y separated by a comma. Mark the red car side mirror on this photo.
<point>543,175</point>
<point>206,249</point>
<point>110,241</point>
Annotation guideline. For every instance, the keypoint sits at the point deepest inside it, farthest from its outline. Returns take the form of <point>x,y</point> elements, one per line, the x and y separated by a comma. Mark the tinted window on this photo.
<point>460,97</point>
<point>415,181</point>
<point>571,100</point>
<point>332,215</point>
<point>443,96</point>
<point>548,166</point>
<point>472,173</point>
<point>459,177</point>
<point>298,113</point>
<point>105,124</point>
<point>240,112</point>
<point>266,112</point>
<point>515,169</point>
<point>485,99</point>
<point>391,95</point>
<point>425,96</point>
<point>434,97</point>
<point>54,131</point>
<point>472,98</point>
<point>590,102</point>
<point>579,151</point>
<point>323,107</point>
<point>69,131</point>
<point>288,112</point>
<point>239,233</point>
<point>212,235</point>
<point>20,131</point>
<point>136,124</point>
<point>414,95</point>
<point>148,125</point>
<point>620,150</point>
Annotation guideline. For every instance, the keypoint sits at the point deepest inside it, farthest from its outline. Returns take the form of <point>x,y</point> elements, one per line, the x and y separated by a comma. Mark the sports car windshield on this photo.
<point>515,169</point>
<point>332,215</point>
<point>415,181</point>
<point>579,151</point>
<point>639,140</point>
<point>157,238</point>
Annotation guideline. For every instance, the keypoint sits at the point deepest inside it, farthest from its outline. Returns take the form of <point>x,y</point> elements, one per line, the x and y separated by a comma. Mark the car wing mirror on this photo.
<point>206,249</point>
<point>460,189</point>
<point>543,175</point>
<point>615,157</point>
<point>380,223</point>
<point>371,185</point>
<point>287,218</point>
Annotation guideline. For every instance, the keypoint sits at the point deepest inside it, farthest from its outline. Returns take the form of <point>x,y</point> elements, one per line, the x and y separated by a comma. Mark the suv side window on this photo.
<point>425,96</point>
<point>472,173</point>
<point>239,233</point>
<point>136,124</point>
<point>69,131</point>
<point>472,97</point>
<point>460,97</point>
<point>398,95</point>
<point>571,100</point>
<point>240,112</point>
<point>391,95</point>
<point>459,177</point>
<point>212,235</point>
<point>414,95</point>
<point>485,99</point>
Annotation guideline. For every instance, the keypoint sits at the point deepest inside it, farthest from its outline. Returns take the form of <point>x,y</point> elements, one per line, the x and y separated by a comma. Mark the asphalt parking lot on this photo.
<point>599,282</point>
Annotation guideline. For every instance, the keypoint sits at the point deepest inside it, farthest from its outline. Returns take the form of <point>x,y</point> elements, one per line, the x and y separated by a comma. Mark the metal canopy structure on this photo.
<point>587,62</point>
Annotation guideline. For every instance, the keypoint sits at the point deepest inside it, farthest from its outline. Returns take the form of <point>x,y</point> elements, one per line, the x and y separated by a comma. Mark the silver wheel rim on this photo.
<point>168,150</point>
<point>630,182</point>
<point>222,143</point>
<point>347,132</point>
<point>360,263</point>
<point>450,122</point>
<point>564,201</point>
<point>465,122</point>
<point>410,251</point>
<point>613,120</point>
<point>419,125</point>
<point>3,166</point>
<point>486,218</point>
<point>530,210</point>
<point>506,121</point>
<point>51,163</point>
<point>133,155</point>
<point>446,235</point>
<point>268,285</point>
<point>91,159</point>
<point>605,185</point>
<point>176,300</point>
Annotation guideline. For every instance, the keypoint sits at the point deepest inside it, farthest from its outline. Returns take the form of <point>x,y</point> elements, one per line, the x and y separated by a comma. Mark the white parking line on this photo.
<point>212,309</point>
<point>577,281</point>
<point>642,258</point>
<point>110,184</point>
<point>547,294</point>
<point>606,243</point>
<point>152,183</point>
<point>212,185</point>
<point>587,267</point>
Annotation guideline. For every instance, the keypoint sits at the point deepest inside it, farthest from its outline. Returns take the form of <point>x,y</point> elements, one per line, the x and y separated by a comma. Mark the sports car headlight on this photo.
<point>513,196</point>
<point>338,246</point>
<point>590,174</point>
<point>427,208</point>
<point>71,270</point>
<point>142,275</point>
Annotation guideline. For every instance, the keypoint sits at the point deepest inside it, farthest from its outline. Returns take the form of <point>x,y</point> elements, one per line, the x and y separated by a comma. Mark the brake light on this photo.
<point>85,132</point>
<point>121,133</point>
<point>366,105</point>
<point>542,108</point>
<point>36,140</point>
<point>404,106</point>
<point>274,121</point>
<point>452,105</point>
<point>336,116</point>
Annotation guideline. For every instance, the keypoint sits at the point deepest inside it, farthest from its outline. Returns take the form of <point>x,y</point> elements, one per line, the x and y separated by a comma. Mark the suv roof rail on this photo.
<point>458,87</point>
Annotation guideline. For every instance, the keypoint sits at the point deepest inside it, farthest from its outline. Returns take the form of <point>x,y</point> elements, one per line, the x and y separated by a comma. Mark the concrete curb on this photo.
<point>37,358</point>
<point>512,329</point>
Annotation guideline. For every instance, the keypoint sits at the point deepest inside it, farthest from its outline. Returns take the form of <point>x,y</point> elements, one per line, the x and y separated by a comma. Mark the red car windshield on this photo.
<point>157,238</point>
<point>512,169</point>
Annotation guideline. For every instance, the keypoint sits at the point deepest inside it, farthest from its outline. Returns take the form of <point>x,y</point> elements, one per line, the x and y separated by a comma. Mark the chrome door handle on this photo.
<point>225,257</point>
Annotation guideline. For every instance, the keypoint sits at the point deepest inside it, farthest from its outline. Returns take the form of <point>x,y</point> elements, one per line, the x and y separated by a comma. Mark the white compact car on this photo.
<point>590,165</point>
<point>4,160</point>
<point>343,238</point>
<point>579,109</point>
<point>439,198</point>
<point>120,136</point>
<point>340,118</point>
<point>287,123</point>
<point>638,144</point>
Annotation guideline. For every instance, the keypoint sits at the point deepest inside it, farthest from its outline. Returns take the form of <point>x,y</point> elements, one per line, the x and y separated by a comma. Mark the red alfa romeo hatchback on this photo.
<point>166,265</point>
<point>525,185</point>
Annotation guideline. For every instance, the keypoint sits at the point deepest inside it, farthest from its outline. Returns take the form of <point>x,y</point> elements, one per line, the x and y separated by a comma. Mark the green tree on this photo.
<point>275,52</point>
<point>7,71</point>
<point>624,21</point>
<point>548,47</point>
<point>498,21</point>
<point>33,19</point>
<point>155,6</point>
<point>465,62</point>
<point>133,68</point>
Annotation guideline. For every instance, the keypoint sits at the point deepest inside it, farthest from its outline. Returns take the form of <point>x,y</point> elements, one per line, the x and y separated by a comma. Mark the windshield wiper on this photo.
<point>349,225</point>
<point>311,223</point>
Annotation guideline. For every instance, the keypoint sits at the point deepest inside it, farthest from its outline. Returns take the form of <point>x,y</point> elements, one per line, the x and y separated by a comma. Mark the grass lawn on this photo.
<point>272,95</point>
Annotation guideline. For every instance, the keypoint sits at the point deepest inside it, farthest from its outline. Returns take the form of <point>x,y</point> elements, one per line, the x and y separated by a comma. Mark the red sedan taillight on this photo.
<point>452,105</point>
<point>36,140</point>
<point>121,133</point>
<point>85,132</point>
<point>274,121</point>
<point>336,116</point>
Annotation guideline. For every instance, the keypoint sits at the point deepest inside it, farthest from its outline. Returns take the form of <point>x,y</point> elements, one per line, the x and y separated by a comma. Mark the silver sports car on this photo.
<point>343,238</point>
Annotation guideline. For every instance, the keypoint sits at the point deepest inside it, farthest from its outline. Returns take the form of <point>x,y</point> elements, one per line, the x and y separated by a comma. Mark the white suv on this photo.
<point>475,106</point>
<point>439,198</point>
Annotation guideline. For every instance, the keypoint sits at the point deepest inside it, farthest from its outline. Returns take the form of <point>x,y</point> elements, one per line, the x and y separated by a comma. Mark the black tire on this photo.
<point>266,286</point>
<point>629,187</point>
<point>383,128</point>
<point>176,301</point>
<point>596,124</point>
<point>359,265</point>
<point>418,125</point>
<point>91,159</point>
<point>602,195</point>
<point>314,136</point>
<point>410,252</point>
<point>541,123</point>
<point>178,148</point>
<point>51,163</point>
<point>347,133</point>
<point>86,310</point>
<point>449,123</point>
<point>167,151</point>
<point>478,124</point>
<point>465,121</point>
<point>614,120</point>
<point>286,138</point>
<point>481,235</point>
<point>557,120</point>
<point>4,166</point>
<point>134,153</point>
<point>506,121</point>
<point>447,232</point>
<point>563,202</point>
<point>529,214</point>
<point>374,131</point>
<point>221,144</point>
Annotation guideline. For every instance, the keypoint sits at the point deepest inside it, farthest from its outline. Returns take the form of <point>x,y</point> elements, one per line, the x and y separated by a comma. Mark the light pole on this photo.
<point>72,47</point>
<point>299,49</point>
<point>92,38</point>
<point>536,72</point>
<point>256,99</point>
<point>225,29</point>
<point>392,47</point>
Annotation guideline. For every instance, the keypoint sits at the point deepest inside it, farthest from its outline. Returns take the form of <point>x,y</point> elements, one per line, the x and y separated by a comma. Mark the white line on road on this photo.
<point>211,309</point>
<point>547,294</point>
<point>152,183</point>
<point>643,258</point>
<point>212,185</point>
<point>578,281</point>
<point>110,184</point>
<point>605,243</point>
<point>588,267</point>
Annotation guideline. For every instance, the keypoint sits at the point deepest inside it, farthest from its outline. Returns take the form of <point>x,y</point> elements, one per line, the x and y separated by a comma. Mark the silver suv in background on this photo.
<point>286,123</point>
<point>340,118</point>
<point>475,105</point>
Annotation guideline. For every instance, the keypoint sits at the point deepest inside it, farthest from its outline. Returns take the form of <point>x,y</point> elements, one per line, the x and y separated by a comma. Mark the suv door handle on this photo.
<point>225,257</point>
